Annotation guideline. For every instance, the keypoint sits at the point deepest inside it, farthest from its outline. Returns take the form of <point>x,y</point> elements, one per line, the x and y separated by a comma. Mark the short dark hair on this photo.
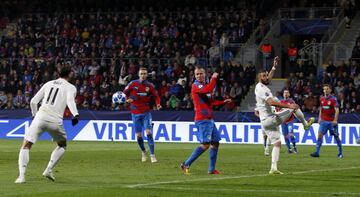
<point>262,71</point>
<point>65,71</point>
<point>327,85</point>
<point>143,68</point>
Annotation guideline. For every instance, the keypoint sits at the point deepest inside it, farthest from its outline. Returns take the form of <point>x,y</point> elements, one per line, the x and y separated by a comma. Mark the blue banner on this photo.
<point>175,131</point>
<point>304,26</point>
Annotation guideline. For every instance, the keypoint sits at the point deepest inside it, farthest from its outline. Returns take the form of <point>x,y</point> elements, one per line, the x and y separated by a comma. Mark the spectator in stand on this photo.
<point>310,103</point>
<point>235,92</point>
<point>176,89</point>
<point>94,43</point>
<point>19,100</point>
<point>3,99</point>
<point>354,67</point>
<point>356,51</point>
<point>353,100</point>
<point>341,102</point>
<point>174,102</point>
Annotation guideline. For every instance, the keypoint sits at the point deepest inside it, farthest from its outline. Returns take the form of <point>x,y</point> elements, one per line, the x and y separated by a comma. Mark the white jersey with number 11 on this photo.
<point>55,95</point>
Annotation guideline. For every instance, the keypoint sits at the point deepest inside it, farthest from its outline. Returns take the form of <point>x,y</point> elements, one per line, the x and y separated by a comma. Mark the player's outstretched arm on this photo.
<point>156,95</point>
<point>70,101</point>
<point>335,121</point>
<point>207,88</point>
<point>218,102</point>
<point>272,71</point>
<point>319,119</point>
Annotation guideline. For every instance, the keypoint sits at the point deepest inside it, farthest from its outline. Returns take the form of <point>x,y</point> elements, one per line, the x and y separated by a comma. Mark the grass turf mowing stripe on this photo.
<point>235,177</point>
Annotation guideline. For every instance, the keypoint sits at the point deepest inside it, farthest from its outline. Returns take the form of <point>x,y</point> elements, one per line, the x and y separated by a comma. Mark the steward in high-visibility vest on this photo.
<point>267,49</point>
<point>292,53</point>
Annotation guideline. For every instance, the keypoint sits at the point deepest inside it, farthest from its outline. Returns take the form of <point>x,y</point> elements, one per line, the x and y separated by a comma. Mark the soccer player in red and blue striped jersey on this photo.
<point>139,93</point>
<point>328,117</point>
<point>208,135</point>
<point>288,126</point>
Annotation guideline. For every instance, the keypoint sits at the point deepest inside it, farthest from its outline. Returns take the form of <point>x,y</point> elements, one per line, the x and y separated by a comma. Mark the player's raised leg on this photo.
<point>300,116</point>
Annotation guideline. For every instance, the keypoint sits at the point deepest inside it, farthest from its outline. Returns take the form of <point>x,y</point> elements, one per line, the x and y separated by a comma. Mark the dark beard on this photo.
<point>265,82</point>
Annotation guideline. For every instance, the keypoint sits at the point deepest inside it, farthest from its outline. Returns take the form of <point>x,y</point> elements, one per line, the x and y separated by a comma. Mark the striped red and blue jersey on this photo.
<point>203,99</point>
<point>141,93</point>
<point>328,105</point>
<point>289,101</point>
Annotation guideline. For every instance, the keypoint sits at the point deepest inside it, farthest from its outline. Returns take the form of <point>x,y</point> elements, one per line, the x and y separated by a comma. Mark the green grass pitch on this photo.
<point>114,169</point>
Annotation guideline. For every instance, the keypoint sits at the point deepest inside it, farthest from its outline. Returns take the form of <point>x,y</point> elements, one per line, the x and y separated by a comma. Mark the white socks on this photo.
<point>300,116</point>
<point>275,157</point>
<point>56,155</point>
<point>23,161</point>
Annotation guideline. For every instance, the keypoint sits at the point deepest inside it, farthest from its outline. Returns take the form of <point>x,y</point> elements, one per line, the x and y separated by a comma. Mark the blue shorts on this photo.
<point>287,128</point>
<point>142,121</point>
<point>207,131</point>
<point>326,126</point>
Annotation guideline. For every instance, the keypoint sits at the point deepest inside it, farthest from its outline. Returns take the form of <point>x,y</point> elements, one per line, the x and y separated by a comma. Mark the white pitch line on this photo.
<point>257,190</point>
<point>233,177</point>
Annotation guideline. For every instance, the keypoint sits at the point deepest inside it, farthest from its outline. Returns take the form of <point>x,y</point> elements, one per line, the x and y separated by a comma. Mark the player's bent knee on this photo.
<point>62,144</point>
<point>27,145</point>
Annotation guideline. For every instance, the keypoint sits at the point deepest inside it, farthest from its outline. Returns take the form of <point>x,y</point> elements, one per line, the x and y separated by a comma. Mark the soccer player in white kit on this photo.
<point>55,95</point>
<point>271,120</point>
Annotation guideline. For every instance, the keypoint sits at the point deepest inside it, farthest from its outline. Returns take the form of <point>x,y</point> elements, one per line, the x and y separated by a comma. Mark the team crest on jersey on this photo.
<point>200,86</point>
<point>147,89</point>
<point>329,102</point>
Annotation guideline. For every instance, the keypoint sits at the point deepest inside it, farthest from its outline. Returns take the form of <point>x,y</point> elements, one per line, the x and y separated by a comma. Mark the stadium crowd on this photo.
<point>305,82</point>
<point>106,50</point>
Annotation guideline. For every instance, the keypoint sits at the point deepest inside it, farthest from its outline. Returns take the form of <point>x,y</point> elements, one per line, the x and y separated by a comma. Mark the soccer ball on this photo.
<point>119,97</point>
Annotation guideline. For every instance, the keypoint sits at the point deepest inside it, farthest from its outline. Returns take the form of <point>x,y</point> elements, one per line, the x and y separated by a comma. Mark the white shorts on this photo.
<point>272,123</point>
<point>38,126</point>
